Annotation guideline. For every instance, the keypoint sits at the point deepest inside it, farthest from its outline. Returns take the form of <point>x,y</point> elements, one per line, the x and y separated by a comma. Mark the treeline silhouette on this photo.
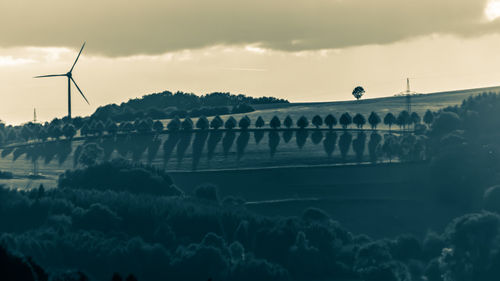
<point>199,236</point>
<point>59,128</point>
<point>167,105</point>
<point>464,150</point>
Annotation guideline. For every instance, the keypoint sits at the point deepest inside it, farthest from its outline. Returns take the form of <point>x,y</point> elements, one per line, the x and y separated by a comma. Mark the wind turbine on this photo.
<point>70,79</point>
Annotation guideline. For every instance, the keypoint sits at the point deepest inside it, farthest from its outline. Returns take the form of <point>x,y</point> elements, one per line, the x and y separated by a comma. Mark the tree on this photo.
<point>187,124</point>
<point>84,130</point>
<point>446,122</point>
<point>144,127</point>
<point>12,134</point>
<point>230,123</point>
<point>245,122</point>
<point>158,126</point>
<point>26,133</point>
<point>54,131</point>
<point>69,131</point>
<point>90,155</point>
<point>111,127</point>
<point>137,121</point>
<point>403,119</point>
<point>77,122</point>
<point>414,118</point>
<point>345,120</point>
<point>43,134</point>
<point>216,123</point>
<point>275,122</point>
<point>288,122</point>
<point>359,120</point>
<point>390,146</point>
<point>260,122</point>
<point>202,123</point>
<point>389,120</point>
<point>330,121</point>
<point>428,117</point>
<point>127,127</point>
<point>98,128</point>
<point>174,124</point>
<point>302,122</point>
<point>358,92</point>
<point>374,120</point>
<point>317,121</point>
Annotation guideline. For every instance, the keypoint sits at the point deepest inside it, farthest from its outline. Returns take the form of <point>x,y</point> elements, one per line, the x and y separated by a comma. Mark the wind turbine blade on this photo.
<point>80,90</point>
<point>51,75</point>
<point>77,57</point>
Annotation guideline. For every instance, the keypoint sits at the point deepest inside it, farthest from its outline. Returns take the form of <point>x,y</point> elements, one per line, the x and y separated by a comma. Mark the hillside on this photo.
<point>394,104</point>
<point>238,151</point>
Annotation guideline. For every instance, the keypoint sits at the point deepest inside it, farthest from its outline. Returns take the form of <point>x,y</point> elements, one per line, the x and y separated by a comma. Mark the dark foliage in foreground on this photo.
<point>464,148</point>
<point>120,175</point>
<point>19,268</point>
<point>102,231</point>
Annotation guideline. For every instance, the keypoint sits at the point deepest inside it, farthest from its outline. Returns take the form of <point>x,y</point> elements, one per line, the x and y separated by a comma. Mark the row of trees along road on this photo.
<point>63,128</point>
<point>403,120</point>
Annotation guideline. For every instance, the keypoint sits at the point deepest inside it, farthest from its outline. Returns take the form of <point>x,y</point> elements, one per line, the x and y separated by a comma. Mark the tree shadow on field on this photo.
<point>153,148</point>
<point>18,152</point>
<point>34,152</point>
<point>121,145</point>
<point>76,155</point>
<point>301,137</point>
<point>344,144</point>
<point>274,141</point>
<point>241,144</point>
<point>287,136</point>
<point>198,144</point>
<point>316,137</point>
<point>138,145</point>
<point>258,135</point>
<point>227,142</point>
<point>63,151</point>
<point>169,145</point>
<point>6,152</point>
<point>182,146</point>
<point>374,146</point>
<point>108,146</point>
<point>329,143</point>
<point>358,145</point>
<point>49,151</point>
<point>214,139</point>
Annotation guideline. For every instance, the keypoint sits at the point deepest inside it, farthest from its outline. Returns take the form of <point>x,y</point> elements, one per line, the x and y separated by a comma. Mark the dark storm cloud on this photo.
<point>122,28</point>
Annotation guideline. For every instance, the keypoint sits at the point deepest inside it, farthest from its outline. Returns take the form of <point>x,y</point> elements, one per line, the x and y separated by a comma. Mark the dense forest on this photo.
<point>102,228</point>
<point>168,105</point>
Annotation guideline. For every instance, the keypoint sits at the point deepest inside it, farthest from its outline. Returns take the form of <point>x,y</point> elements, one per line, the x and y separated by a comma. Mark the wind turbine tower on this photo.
<point>69,75</point>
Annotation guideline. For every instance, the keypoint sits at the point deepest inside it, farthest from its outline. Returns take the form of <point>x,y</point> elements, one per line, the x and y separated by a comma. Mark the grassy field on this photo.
<point>395,104</point>
<point>233,151</point>
<point>360,197</point>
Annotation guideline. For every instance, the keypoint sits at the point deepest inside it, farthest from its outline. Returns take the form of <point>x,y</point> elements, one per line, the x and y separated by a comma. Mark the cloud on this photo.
<point>11,61</point>
<point>124,28</point>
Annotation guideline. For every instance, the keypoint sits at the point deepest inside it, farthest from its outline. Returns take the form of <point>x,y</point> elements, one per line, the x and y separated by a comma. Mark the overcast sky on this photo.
<point>314,50</point>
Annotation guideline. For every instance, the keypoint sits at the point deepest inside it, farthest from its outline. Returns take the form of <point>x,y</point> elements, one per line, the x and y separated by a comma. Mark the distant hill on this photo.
<point>167,104</point>
<point>395,104</point>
